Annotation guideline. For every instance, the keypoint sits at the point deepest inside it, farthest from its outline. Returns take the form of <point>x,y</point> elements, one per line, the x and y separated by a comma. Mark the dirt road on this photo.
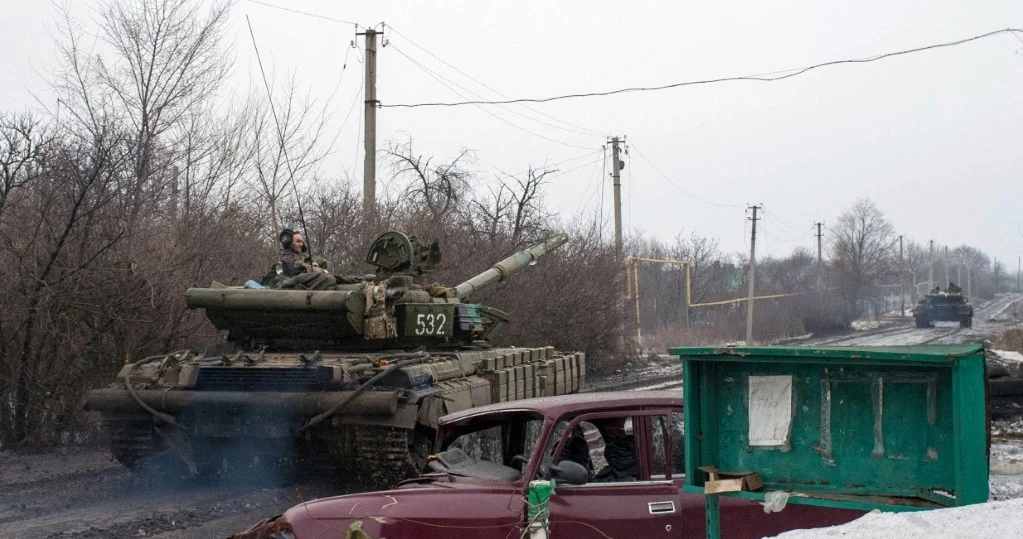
<point>990,320</point>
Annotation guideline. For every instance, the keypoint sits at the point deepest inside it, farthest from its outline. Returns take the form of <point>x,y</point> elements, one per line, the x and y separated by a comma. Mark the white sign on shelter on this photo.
<point>770,410</point>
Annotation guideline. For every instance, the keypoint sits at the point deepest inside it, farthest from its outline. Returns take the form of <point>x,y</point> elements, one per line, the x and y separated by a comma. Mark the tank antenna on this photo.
<point>280,138</point>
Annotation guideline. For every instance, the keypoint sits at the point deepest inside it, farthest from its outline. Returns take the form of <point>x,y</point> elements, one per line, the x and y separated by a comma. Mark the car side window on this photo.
<point>483,444</point>
<point>552,444</point>
<point>662,430</point>
<point>532,430</point>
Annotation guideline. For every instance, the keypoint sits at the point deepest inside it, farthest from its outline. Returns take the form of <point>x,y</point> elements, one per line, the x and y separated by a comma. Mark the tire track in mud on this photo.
<point>844,338</point>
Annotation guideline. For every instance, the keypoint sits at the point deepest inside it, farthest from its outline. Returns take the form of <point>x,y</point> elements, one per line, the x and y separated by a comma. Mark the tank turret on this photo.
<point>356,374</point>
<point>381,310</point>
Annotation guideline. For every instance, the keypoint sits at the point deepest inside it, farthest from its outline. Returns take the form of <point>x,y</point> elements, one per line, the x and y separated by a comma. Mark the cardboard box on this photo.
<point>719,481</point>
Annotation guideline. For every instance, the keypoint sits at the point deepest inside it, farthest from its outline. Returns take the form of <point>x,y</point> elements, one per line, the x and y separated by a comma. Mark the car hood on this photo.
<point>424,502</point>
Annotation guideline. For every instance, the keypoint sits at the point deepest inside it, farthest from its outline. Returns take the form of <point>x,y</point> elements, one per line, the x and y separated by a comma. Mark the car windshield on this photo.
<point>493,446</point>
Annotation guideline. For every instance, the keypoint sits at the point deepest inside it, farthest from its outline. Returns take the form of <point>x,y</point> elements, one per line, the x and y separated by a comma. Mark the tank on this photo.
<point>948,306</point>
<point>354,376</point>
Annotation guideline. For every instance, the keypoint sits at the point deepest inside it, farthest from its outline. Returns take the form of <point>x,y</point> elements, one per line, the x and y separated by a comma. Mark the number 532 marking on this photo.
<point>430,324</point>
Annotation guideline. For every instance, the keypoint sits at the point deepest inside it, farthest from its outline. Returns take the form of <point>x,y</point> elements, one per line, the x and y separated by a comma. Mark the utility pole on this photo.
<point>369,167</point>
<point>1018,258</point>
<point>752,276</point>
<point>820,264</point>
<point>930,270</point>
<point>616,169</point>
<point>946,268</point>
<point>969,289</point>
<point>902,282</point>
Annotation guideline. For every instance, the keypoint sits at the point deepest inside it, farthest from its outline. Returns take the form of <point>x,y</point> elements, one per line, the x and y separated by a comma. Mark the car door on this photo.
<point>645,507</point>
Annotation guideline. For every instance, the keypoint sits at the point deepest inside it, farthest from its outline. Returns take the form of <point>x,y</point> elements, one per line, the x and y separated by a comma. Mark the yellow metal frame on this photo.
<point>632,287</point>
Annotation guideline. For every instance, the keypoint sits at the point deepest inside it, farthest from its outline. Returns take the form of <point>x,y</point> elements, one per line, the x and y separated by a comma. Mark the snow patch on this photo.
<point>1008,355</point>
<point>864,325</point>
<point>992,520</point>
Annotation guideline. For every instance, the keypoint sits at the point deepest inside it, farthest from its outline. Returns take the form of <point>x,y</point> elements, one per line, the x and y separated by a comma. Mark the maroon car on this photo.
<point>617,459</point>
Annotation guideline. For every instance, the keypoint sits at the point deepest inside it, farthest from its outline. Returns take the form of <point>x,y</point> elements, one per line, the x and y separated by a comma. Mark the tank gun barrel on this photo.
<point>503,269</point>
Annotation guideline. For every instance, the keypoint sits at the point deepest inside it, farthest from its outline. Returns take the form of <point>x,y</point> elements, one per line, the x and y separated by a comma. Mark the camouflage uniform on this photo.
<point>288,265</point>
<point>292,264</point>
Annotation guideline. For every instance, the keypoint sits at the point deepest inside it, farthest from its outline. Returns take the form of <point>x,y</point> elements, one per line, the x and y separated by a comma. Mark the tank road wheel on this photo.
<point>132,441</point>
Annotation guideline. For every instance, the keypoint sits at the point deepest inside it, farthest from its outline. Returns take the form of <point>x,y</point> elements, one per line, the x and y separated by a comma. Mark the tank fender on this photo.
<point>369,403</point>
<point>404,418</point>
<point>454,396</point>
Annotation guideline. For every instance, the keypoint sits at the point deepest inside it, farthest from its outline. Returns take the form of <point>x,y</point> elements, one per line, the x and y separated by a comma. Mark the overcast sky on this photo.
<point>935,139</point>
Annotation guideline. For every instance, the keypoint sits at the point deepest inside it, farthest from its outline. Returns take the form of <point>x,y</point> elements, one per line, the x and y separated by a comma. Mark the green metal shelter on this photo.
<point>896,428</point>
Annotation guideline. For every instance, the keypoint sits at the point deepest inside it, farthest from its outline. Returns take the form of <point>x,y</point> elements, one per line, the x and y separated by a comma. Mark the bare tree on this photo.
<point>437,189</point>
<point>288,147</point>
<point>514,208</point>
<point>55,244</point>
<point>861,253</point>
<point>22,139</point>
<point>167,62</point>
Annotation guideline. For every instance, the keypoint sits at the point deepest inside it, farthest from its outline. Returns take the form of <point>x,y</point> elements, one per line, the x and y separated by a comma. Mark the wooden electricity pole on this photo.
<point>930,270</point>
<point>820,264</point>
<point>616,169</point>
<point>369,167</point>
<point>752,276</point>
<point>946,268</point>
<point>902,283</point>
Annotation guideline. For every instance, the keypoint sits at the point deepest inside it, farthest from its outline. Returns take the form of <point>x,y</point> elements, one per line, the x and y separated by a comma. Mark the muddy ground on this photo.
<point>82,493</point>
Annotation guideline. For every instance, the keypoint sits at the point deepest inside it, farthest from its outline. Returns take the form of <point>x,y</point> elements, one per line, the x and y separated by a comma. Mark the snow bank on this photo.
<point>992,520</point>
<point>865,324</point>
<point>1008,355</point>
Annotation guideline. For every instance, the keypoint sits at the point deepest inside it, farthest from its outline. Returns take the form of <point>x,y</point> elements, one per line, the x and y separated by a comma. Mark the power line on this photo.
<point>569,160</point>
<point>589,181</point>
<point>444,82</point>
<point>764,214</point>
<point>784,224</point>
<point>351,107</point>
<point>577,129</point>
<point>440,78</point>
<point>675,185</point>
<point>330,99</point>
<point>764,77</point>
<point>358,135</point>
<point>340,77</point>
<point>306,13</point>
<point>554,174</point>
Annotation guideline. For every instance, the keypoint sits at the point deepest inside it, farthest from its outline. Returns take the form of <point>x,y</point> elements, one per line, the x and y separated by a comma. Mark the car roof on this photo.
<point>575,403</point>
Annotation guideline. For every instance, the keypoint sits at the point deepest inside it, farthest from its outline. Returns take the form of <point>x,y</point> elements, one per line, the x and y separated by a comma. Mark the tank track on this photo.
<point>387,455</point>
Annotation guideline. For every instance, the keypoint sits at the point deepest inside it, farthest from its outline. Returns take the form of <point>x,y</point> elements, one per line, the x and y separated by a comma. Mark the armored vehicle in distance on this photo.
<point>355,375</point>
<point>949,306</point>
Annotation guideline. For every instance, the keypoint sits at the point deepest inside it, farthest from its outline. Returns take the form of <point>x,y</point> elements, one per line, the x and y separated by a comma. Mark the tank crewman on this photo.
<point>293,261</point>
<point>292,248</point>
<point>953,289</point>
<point>937,290</point>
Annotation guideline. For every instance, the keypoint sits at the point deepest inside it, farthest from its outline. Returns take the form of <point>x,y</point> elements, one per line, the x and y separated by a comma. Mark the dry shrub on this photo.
<point>1011,340</point>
